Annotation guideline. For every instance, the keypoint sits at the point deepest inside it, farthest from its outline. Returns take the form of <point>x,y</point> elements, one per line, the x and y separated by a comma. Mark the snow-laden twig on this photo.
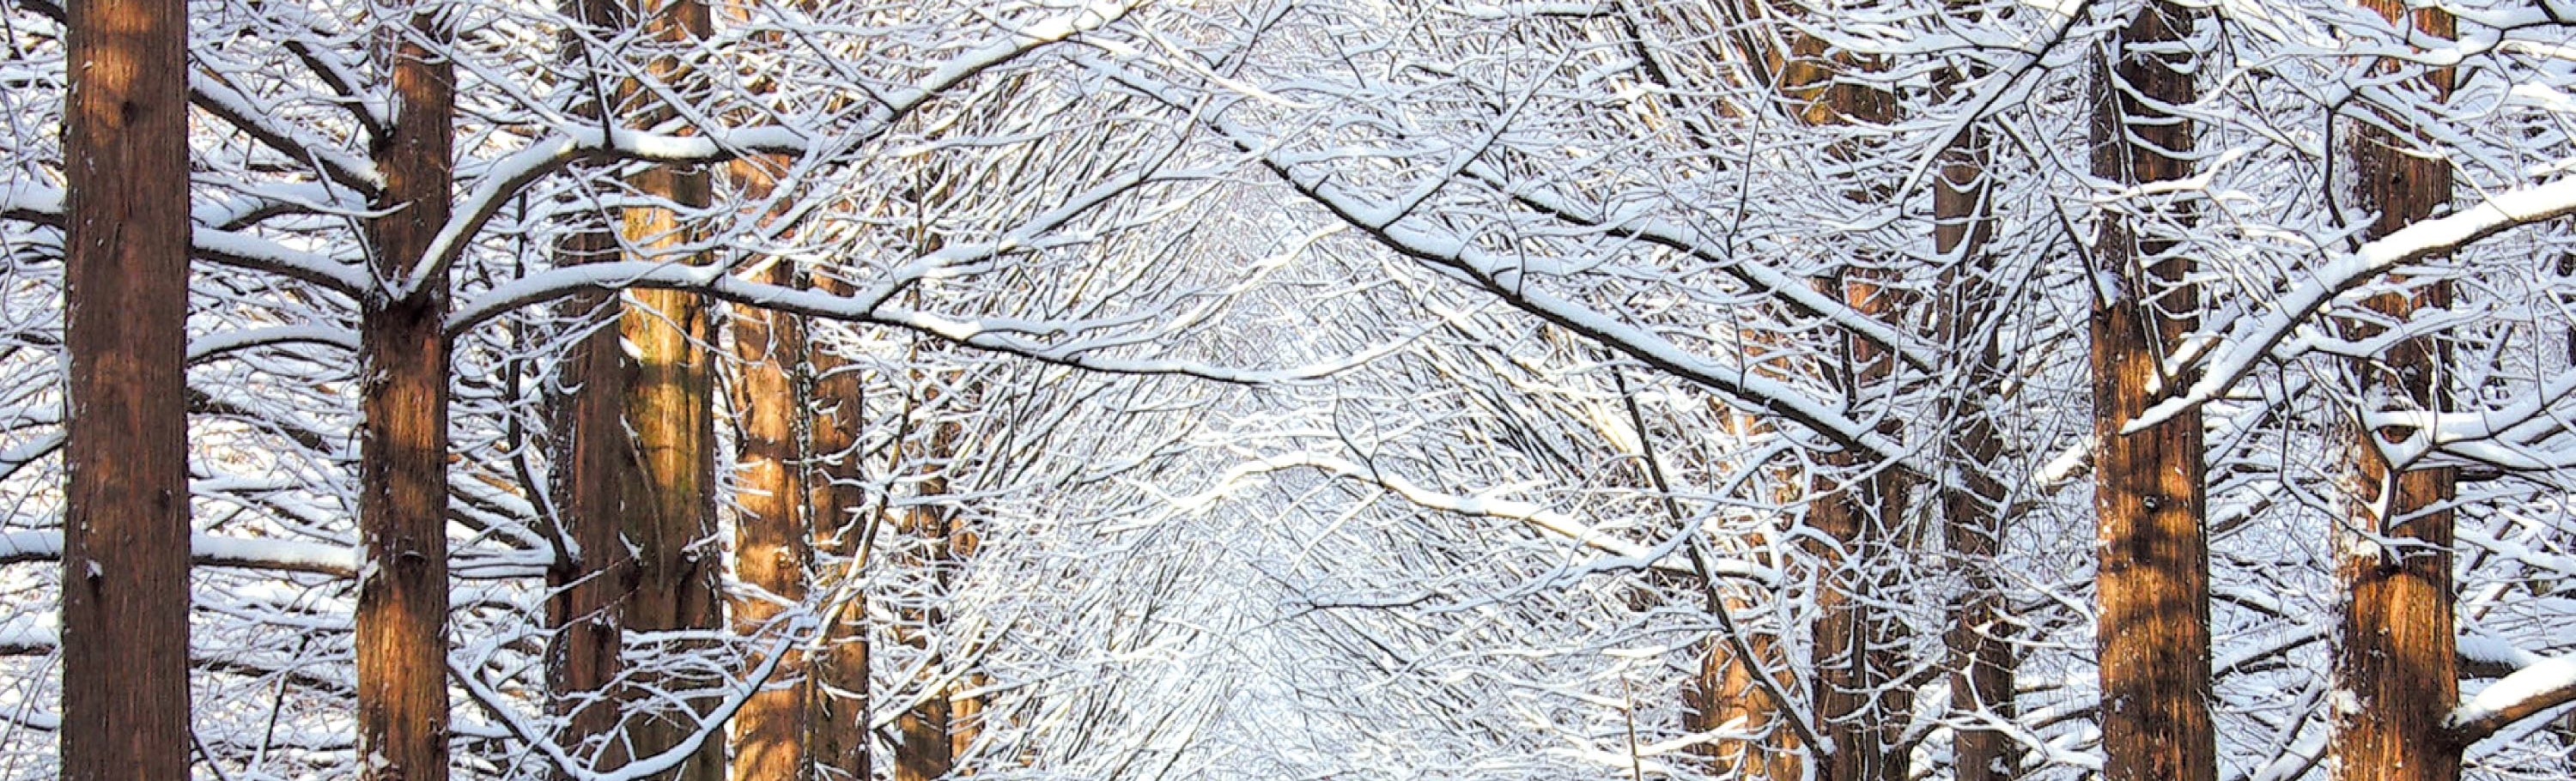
<point>2260,335</point>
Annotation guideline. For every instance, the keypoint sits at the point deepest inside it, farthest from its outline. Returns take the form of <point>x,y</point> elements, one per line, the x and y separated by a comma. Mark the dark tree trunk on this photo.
<point>1981,654</point>
<point>402,472</point>
<point>125,527</point>
<point>2149,492</point>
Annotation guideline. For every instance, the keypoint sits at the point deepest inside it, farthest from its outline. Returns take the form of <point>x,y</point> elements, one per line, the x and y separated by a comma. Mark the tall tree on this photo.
<point>2395,649</point>
<point>125,529</point>
<point>841,747</point>
<point>773,549</point>
<point>596,472</point>
<point>670,407</point>
<point>1982,663</point>
<point>402,472</point>
<point>2149,492</point>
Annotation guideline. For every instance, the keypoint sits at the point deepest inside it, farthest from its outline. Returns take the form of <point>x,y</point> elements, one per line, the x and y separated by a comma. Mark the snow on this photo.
<point>2544,684</point>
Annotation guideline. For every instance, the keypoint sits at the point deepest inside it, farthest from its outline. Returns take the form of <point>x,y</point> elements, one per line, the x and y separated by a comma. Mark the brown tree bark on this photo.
<point>670,409</point>
<point>125,526</point>
<point>402,474</point>
<point>2395,657</point>
<point>1982,663</point>
<point>2149,486</point>
<point>772,550</point>
<point>929,748</point>
<point>595,475</point>
<point>1859,506</point>
<point>840,746</point>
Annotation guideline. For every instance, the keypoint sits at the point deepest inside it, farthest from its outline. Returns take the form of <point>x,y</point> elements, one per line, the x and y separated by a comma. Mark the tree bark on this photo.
<point>772,551</point>
<point>2149,486</point>
<point>671,411</point>
<point>840,746</point>
<point>402,474</point>
<point>125,526</point>
<point>2395,656</point>
<point>1982,664</point>
<point>595,475</point>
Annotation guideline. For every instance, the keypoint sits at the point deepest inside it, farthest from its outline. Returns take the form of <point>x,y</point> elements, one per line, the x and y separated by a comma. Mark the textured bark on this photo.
<point>670,409</point>
<point>1859,506</point>
<point>840,747</point>
<point>595,474</point>
<point>1981,655</point>
<point>929,748</point>
<point>772,551</point>
<point>2149,488</point>
<point>125,527</point>
<point>402,471</point>
<point>2395,657</point>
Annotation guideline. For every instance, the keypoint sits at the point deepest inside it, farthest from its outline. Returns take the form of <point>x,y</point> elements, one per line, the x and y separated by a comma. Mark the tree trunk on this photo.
<point>1981,655</point>
<point>929,748</point>
<point>125,527</point>
<point>402,472</point>
<point>772,552</point>
<point>671,411</point>
<point>595,474</point>
<point>2395,658</point>
<point>1859,506</point>
<point>841,745</point>
<point>2149,492</point>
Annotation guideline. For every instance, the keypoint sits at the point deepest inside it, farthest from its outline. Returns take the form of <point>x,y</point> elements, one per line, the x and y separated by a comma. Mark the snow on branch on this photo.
<point>1626,554</point>
<point>209,550</point>
<point>2237,354</point>
<point>2528,692</point>
<point>232,248</point>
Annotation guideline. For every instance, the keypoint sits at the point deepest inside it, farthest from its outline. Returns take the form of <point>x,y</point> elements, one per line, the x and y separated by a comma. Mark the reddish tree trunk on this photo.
<point>771,547</point>
<point>125,527</point>
<point>402,472</point>
<point>840,745</point>
<point>2395,657</point>
<point>2154,557</point>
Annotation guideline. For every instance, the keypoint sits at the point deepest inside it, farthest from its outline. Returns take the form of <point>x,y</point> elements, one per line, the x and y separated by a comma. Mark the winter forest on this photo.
<point>1287,390</point>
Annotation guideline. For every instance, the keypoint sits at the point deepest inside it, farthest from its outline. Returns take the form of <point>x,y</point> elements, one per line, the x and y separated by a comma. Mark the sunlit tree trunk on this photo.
<point>2395,654</point>
<point>2149,492</point>
<point>670,409</point>
<point>772,547</point>
<point>125,528</point>
<point>402,469</point>
<point>1859,506</point>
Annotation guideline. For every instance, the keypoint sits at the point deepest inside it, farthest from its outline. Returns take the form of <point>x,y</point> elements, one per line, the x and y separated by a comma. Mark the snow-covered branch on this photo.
<point>2544,685</point>
<point>2264,333</point>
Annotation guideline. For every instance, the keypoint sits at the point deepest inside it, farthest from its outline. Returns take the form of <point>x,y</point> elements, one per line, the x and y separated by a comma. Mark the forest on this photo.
<point>1288,390</point>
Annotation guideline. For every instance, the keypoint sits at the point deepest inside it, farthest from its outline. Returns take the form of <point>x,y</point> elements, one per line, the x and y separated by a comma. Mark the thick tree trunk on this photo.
<point>772,550</point>
<point>2149,492</point>
<point>670,409</point>
<point>595,476</point>
<point>125,527</point>
<point>2395,657</point>
<point>1859,506</point>
<point>402,472</point>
